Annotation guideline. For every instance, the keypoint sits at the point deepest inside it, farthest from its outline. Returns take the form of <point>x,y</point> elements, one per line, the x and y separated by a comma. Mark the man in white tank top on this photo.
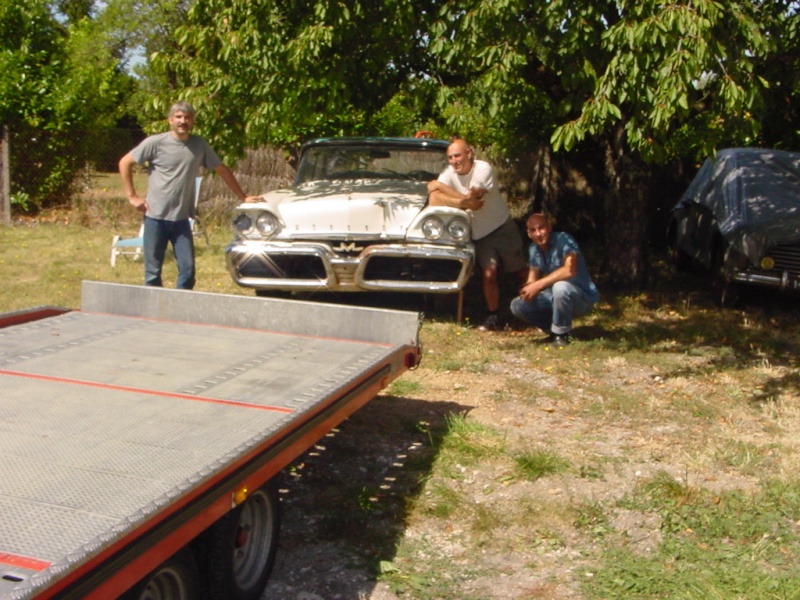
<point>469,184</point>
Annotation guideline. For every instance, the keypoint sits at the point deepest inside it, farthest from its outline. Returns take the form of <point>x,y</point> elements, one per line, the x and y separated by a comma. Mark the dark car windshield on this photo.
<point>370,162</point>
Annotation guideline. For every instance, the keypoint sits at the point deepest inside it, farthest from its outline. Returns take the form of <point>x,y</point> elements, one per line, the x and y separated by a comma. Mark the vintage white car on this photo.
<point>356,219</point>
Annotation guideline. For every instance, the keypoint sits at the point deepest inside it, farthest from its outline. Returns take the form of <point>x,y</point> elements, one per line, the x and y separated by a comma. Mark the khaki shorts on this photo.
<point>502,247</point>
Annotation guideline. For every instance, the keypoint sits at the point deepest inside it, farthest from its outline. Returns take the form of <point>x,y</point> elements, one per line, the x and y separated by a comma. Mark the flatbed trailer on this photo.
<point>139,434</point>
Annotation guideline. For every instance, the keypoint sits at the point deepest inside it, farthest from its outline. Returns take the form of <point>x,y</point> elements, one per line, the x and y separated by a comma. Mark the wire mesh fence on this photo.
<point>44,168</point>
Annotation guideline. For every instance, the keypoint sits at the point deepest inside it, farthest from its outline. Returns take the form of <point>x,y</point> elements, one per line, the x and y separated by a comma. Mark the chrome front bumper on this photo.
<point>783,280</point>
<point>784,274</point>
<point>310,266</point>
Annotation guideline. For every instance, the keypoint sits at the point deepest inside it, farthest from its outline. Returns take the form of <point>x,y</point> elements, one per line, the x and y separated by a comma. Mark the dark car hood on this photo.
<point>754,195</point>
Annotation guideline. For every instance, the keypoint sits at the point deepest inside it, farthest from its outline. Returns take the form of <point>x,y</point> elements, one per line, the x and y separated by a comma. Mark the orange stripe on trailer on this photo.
<point>34,314</point>
<point>125,388</point>
<point>124,577</point>
<point>23,562</point>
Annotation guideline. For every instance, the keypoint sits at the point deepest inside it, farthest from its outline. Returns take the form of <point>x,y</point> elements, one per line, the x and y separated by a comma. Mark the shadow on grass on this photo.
<point>346,501</point>
<point>680,317</point>
<point>438,306</point>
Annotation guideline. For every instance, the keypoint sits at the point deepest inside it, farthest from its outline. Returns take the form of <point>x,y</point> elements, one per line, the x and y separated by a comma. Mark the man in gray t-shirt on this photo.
<point>173,162</point>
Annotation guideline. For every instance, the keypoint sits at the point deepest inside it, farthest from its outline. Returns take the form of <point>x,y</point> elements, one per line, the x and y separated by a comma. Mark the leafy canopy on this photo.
<point>681,77</point>
<point>57,83</point>
<point>278,72</point>
<point>664,79</point>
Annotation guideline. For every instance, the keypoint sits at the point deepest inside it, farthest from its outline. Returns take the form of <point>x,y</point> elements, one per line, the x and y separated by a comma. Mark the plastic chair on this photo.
<point>134,246</point>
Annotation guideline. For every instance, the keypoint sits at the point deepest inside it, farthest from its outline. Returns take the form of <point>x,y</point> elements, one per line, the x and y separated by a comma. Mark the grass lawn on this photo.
<point>656,457</point>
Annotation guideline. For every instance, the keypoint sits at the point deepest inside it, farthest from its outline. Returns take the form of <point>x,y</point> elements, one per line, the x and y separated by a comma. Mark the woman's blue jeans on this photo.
<point>157,235</point>
<point>553,309</point>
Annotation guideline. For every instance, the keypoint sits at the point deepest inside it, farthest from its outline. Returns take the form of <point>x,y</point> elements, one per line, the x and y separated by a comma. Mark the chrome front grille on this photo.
<point>787,259</point>
<point>345,273</point>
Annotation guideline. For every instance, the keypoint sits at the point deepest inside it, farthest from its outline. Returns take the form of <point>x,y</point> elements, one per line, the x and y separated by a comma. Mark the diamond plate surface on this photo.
<point>108,418</point>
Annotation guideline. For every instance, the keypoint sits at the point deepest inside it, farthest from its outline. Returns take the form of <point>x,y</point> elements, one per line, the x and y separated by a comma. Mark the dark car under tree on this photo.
<point>739,220</point>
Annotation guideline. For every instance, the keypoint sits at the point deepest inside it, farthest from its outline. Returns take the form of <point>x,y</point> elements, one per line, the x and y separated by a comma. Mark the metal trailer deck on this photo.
<point>128,427</point>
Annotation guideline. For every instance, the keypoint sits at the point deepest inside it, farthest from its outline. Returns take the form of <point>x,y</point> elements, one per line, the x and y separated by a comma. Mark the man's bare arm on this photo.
<point>441,194</point>
<point>126,164</point>
<point>224,171</point>
<point>536,284</point>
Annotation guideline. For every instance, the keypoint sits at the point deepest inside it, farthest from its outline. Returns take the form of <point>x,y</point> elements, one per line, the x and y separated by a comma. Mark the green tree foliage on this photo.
<point>75,10</point>
<point>644,81</point>
<point>679,78</point>
<point>781,120</point>
<point>134,30</point>
<point>29,37</point>
<point>55,79</point>
<point>278,72</point>
<point>676,79</point>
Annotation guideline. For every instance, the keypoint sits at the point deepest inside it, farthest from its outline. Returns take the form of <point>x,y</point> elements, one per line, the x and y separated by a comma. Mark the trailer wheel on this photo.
<point>239,550</point>
<point>175,579</point>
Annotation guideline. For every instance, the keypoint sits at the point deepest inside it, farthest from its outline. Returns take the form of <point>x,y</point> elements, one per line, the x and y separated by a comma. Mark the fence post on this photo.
<point>5,176</point>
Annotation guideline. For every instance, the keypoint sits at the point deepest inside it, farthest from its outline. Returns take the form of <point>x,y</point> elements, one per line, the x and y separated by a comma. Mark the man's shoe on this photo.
<point>559,340</point>
<point>492,323</point>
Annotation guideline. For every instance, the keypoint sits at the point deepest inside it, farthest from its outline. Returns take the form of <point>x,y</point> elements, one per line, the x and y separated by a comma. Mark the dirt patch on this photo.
<point>346,503</point>
<point>361,495</point>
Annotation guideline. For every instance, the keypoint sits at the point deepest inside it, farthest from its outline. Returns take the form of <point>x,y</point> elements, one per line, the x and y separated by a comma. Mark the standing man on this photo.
<point>469,184</point>
<point>559,286</point>
<point>174,159</point>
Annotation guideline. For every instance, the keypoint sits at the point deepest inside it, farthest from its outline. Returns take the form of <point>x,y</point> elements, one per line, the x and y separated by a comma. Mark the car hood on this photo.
<point>754,195</point>
<point>348,209</point>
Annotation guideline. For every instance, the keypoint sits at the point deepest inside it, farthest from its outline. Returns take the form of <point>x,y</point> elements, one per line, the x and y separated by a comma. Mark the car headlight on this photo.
<point>243,224</point>
<point>458,230</point>
<point>267,224</point>
<point>767,263</point>
<point>432,228</point>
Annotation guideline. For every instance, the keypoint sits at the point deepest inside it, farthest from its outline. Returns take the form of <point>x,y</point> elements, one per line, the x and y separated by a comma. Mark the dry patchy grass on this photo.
<point>657,457</point>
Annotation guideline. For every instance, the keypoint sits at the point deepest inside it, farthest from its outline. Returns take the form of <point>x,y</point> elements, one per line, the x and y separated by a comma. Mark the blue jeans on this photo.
<point>157,235</point>
<point>553,309</point>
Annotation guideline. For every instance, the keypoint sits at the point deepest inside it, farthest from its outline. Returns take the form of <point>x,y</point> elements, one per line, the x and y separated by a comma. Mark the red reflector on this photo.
<point>412,359</point>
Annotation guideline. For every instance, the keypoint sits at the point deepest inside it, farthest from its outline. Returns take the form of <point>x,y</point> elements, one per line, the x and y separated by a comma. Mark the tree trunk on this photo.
<point>542,195</point>
<point>626,218</point>
<point>5,176</point>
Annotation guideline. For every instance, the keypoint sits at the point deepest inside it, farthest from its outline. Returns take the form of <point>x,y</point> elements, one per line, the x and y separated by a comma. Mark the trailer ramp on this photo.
<point>128,425</point>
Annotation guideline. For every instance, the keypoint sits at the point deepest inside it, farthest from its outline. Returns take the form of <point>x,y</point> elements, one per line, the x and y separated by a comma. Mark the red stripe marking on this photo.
<point>23,562</point>
<point>24,316</point>
<point>125,388</point>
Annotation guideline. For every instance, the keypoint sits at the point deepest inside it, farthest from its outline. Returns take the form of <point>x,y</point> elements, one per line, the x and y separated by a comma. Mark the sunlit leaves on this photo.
<point>267,71</point>
<point>58,81</point>
<point>277,72</point>
<point>671,61</point>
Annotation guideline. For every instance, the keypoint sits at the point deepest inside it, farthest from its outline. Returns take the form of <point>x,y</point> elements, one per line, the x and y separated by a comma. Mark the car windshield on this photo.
<point>363,162</point>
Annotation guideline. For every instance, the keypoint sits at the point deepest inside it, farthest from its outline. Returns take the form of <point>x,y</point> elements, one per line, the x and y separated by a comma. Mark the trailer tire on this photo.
<point>239,550</point>
<point>175,579</point>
